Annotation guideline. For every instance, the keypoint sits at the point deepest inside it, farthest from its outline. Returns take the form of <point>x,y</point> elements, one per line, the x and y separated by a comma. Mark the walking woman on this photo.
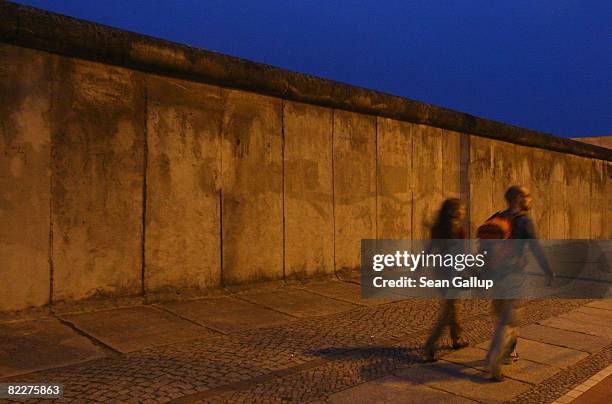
<point>448,225</point>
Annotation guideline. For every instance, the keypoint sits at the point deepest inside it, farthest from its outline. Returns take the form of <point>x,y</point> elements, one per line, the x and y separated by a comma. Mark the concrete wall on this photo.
<point>97,139</point>
<point>117,182</point>
<point>308,187</point>
<point>182,210</point>
<point>25,175</point>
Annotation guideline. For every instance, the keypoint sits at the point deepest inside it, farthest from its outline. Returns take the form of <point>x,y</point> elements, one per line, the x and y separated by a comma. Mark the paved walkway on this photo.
<point>313,342</point>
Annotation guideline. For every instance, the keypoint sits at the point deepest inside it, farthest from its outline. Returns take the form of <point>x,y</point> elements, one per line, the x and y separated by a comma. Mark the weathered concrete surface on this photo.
<point>597,200</point>
<point>296,302</point>
<point>25,90</point>
<point>183,218</point>
<point>495,166</point>
<point>564,338</point>
<point>578,178</point>
<point>428,161</point>
<point>28,346</point>
<point>97,163</point>
<point>227,314</point>
<point>308,190</point>
<point>538,166</point>
<point>252,200</point>
<point>559,214</point>
<point>136,328</point>
<point>507,171</point>
<point>463,381</point>
<point>480,175</point>
<point>354,148</point>
<point>451,169</point>
<point>394,179</point>
<point>392,389</point>
<point>607,220</point>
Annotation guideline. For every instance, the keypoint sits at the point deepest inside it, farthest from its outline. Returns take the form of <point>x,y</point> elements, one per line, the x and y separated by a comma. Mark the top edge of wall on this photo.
<point>38,29</point>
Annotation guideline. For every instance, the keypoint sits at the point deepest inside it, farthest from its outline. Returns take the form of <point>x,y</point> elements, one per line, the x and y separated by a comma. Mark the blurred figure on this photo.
<point>513,223</point>
<point>448,225</point>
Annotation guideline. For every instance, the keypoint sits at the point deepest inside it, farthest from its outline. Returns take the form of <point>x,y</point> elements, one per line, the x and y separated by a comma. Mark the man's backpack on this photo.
<point>497,227</point>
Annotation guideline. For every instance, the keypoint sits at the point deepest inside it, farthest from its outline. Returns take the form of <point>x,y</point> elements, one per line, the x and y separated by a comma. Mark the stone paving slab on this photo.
<point>601,304</point>
<point>136,328</point>
<point>470,357</point>
<point>601,330</point>
<point>523,370</point>
<point>346,291</point>
<point>588,317</point>
<point>392,389</point>
<point>544,353</point>
<point>227,314</point>
<point>601,313</point>
<point>564,338</point>
<point>296,302</point>
<point>27,346</point>
<point>529,372</point>
<point>463,381</point>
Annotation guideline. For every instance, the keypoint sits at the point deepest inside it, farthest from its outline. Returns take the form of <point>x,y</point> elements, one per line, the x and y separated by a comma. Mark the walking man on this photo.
<point>521,226</point>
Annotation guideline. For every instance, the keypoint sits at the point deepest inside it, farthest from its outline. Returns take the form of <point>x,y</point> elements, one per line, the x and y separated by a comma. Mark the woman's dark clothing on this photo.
<point>451,307</point>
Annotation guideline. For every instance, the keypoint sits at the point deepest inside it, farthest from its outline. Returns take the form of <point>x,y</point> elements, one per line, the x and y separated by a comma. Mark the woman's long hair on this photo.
<point>446,226</point>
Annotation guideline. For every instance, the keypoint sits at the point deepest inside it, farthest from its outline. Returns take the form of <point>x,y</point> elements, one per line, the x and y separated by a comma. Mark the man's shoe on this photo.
<point>497,375</point>
<point>510,359</point>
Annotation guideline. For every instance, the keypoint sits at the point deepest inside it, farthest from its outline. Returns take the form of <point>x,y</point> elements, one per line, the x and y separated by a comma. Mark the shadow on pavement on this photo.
<point>381,360</point>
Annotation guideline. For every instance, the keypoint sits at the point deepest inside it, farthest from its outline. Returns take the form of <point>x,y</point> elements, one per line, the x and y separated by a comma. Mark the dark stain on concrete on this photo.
<point>164,173</point>
<point>207,176</point>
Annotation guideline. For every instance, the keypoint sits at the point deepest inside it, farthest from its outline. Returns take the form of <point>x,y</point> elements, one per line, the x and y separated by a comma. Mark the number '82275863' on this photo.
<point>25,390</point>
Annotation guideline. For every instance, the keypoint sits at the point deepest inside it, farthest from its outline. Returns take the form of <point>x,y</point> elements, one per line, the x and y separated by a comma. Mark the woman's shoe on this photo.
<point>460,343</point>
<point>430,354</point>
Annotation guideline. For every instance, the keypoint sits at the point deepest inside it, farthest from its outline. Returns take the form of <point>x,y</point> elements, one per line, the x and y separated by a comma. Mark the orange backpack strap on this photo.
<point>493,215</point>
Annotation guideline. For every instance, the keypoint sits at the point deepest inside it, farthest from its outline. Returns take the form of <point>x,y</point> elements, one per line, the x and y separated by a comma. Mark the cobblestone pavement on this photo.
<point>371,362</point>
<point>303,360</point>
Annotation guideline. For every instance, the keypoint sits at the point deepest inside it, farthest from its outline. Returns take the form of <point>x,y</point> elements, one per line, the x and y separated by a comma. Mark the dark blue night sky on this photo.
<point>540,64</point>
